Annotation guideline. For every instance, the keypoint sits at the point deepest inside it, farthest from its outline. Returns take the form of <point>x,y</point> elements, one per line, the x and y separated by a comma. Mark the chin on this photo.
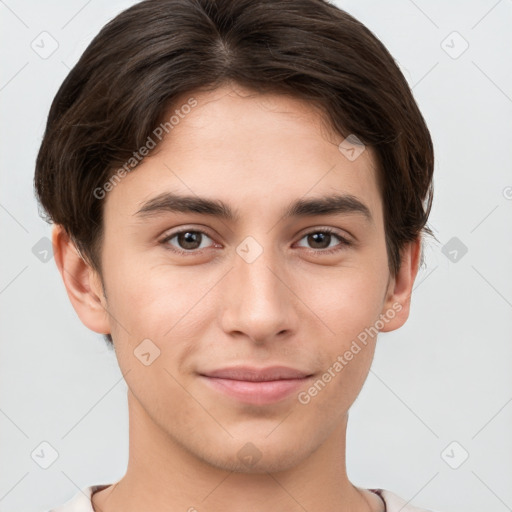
<point>256,458</point>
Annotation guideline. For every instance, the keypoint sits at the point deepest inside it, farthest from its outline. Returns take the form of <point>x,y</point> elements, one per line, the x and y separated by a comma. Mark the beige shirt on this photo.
<point>82,501</point>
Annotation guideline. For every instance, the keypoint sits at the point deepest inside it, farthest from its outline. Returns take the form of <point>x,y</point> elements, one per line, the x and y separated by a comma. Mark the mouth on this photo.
<point>257,386</point>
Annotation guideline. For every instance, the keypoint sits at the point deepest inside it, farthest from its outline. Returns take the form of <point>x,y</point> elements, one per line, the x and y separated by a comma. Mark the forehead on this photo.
<point>249,150</point>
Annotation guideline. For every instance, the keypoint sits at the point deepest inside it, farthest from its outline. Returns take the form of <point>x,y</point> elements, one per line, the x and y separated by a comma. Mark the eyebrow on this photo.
<point>325,205</point>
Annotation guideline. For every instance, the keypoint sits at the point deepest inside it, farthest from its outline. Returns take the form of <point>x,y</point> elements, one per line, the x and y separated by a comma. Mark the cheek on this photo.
<point>150,314</point>
<point>347,306</point>
<point>168,306</point>
<point>346,301</point>
<point>150,299</point>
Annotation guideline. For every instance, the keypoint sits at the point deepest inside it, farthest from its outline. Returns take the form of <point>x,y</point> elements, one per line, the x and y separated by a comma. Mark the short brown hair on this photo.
<point>133,71</point>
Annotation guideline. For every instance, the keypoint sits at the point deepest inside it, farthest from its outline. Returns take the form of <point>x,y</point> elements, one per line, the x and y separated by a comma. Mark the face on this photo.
<point>192,292</point>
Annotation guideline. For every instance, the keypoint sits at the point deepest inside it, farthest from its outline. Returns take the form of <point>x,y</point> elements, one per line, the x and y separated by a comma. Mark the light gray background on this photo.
<point>445,376</point>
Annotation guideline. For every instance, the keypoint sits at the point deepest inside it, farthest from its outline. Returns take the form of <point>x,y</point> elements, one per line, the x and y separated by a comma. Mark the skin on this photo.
<point>294,305</point>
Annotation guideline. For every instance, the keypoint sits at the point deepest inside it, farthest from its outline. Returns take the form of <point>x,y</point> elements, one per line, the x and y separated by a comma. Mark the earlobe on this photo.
<point>82,283</point>
<point>398,300</point>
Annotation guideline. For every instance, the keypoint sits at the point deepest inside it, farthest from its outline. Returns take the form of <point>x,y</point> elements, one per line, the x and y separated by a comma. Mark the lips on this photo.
<point>258,386</point>
<point>257,374</point>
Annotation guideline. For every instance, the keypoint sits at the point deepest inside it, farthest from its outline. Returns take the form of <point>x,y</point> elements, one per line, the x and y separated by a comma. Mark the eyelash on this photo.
<point>343,241</point>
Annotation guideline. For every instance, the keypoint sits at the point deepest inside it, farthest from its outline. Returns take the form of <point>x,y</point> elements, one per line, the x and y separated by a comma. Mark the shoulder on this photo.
<point>81,502</point>
<point>395,503</point>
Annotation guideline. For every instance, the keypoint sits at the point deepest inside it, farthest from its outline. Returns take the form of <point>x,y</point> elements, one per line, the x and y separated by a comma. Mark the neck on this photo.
<point>162,475</point>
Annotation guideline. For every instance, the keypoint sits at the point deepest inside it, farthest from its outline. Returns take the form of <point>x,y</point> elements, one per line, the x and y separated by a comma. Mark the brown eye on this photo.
<point>321,241</point>
<point>187,240</point>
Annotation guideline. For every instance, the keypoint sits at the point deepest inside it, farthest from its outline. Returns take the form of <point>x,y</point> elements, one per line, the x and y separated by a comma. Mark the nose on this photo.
<point>258,300</point>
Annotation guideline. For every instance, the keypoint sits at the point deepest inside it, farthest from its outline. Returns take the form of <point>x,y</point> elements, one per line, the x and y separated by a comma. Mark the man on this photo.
<point>239,191</point>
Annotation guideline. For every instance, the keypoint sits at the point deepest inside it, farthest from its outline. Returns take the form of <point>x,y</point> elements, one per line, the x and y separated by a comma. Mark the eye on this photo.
<point>192,241</point>
<point>187,240</point>
<point>321,239</point>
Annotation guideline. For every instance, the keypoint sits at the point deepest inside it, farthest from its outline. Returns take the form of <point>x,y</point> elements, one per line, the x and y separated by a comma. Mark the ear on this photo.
<point>398,298</point>
<point>82,283</point>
